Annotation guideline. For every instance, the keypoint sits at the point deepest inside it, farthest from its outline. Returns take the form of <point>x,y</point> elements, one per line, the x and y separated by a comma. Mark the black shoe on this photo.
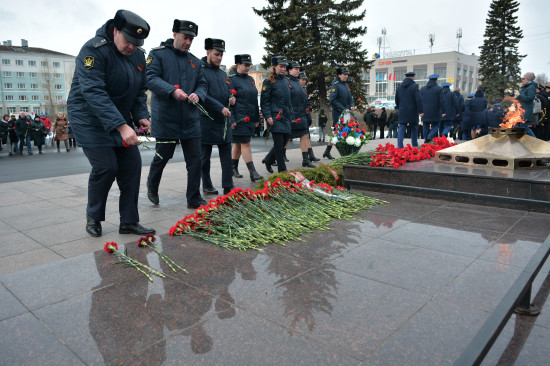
<point>267,166</point>
<point>311,155</point>
<point>93,227</point>
<point>236,173</point>
<point>326,154</point>
<point>197,205</point>
<point>305,161</point>
<point>210,190</point>
<point>134,229</point>
<point>30,152</point>
<point>153,197</point>
<point>226,190</point>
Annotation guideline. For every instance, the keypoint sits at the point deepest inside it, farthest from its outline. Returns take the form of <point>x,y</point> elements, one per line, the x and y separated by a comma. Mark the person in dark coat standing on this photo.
<point>246,106</point>
<point>277,110</point>
<point>477,113</point>
<point>303,82</point>
<point>393,122</point>
<point>340,99</point>
<point>466,118</point>
<point>450,106</point>
<point>12,135</point>
<point>216,131</point>
<point>434,108</point>
<point>370,120</point>
<point>39,133</point>
<point>175,78</point>
<point>381,121</point>
<point>106,103</point>
<point>526,98</point>
<point>409,103</point>
<point>544,125</point>
<point>23,125</point>
<point>456,131</point>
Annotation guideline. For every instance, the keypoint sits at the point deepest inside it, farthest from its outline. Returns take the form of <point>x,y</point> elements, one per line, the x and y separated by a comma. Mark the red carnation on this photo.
<point>176,86</point>
<point>352,119</point>
<point>298,120</point>
<point>110,247</point>
<point>278,116</point>
<point>125,144</point>
<point>363,130</point>
<point>280,111</point>
<point>344,134</point>
<point>359,99</point>
<point>247,119</point>
<point>142,242</point>
<point>233,92</point>
<point>307,110</point>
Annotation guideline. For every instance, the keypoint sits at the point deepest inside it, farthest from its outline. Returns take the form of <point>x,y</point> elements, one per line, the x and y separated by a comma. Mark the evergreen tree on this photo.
<point>499,59</point>
<point>320,35</point>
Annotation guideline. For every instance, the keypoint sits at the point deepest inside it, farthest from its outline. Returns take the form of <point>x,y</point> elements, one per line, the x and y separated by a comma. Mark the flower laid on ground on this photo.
<point>348,136</point>
<point>280,212</point>
<point>200,107</point>
<point>126,261</point>
<point>389,155</point>
<point>149,241</point>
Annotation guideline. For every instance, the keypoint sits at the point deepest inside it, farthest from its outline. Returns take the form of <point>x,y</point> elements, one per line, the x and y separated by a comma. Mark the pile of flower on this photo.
<point>281,211</point>
<point>348,133</point>
<point>389,155</point>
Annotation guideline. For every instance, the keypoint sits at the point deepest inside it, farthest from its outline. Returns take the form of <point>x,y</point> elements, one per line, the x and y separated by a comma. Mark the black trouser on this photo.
<point>192,154</point>
<point>225,160</point>
<point>277,151</point>
<point>108,164</point>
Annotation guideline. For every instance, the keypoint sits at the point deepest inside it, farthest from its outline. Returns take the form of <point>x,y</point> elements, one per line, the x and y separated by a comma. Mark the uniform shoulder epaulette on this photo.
<point>141,49</point>
<point>99,43</point>
<point>157,48</point>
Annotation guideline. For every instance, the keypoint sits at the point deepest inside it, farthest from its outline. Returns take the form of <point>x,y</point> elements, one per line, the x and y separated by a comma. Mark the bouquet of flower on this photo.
<point>348,136</point>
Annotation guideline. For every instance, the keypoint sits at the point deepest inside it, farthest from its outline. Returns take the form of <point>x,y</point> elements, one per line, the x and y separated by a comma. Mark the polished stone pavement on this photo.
<point>409,284</point>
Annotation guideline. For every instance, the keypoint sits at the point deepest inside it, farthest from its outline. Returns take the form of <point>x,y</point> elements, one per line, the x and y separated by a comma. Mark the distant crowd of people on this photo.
<point>27,131</point>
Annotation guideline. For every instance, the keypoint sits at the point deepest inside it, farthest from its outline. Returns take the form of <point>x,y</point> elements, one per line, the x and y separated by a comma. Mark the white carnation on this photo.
<point>334,140</point>
<point>358,142</point>
<point>350,140</point>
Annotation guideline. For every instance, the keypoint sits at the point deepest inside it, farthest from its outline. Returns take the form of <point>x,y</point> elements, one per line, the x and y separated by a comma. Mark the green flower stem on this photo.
<point>165,258</point>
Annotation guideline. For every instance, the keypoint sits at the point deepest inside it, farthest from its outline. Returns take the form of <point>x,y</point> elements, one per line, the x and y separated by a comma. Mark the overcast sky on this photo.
<point>64,25</point>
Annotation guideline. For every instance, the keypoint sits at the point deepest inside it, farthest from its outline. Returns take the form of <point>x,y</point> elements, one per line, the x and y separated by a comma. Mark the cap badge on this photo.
<point>190,25</point>
<point>139,31</point>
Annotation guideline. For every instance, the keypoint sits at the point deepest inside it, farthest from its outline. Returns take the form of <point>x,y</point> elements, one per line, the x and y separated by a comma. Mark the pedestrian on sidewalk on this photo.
<point>246,105</point>
<point>106,103</point>
<point>23,125</point>
<point>48,124</point>
<point>61,126</point>
<point>12,136</point>
<point>216,131</point>
<point>177,83</point>
<point>39,133</point>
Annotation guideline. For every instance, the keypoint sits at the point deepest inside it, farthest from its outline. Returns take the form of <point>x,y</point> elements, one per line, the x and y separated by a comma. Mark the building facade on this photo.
<point>34,80</point>
<point>387,74</point>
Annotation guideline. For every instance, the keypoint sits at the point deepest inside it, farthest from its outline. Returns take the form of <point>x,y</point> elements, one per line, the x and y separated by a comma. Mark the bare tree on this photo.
<point>47,86</point>
<point>542,79</point>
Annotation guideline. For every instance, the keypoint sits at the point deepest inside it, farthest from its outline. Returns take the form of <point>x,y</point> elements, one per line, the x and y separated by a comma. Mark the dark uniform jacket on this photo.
<point>450,104</point>
<point>409,101</point>
<point>460,102</point>
<point>322,120</point>
<point>340,98</point>
<point>477,107</point>
<point>108,90</point>
<point>394,118</point>
<point>432,101</point>
<point>246,104</point>
<point>217,98</point>
<point>298,97</point>
<point>12,130</point>
<point>275,97</point>
<point>381,121</point>
<point>370,118</point>
<point>171,118</point>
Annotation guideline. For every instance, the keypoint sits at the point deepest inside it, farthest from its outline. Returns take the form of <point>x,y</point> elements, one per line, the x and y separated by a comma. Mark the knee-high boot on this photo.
<point>236,173</point>
<point>254,175</point>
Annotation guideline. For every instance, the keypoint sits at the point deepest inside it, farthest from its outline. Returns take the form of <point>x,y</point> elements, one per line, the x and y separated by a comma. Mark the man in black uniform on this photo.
<point>177,83</point>
<point>106,101</point>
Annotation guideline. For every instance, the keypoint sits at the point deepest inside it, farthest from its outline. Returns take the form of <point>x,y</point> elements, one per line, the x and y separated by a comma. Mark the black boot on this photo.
<point>311,155</point>
<point>267,166</point>
<point>305,160</point>
<point>236,173</point>
<point>326,154</point>
<point>284,155</point>
<point>254,175</point>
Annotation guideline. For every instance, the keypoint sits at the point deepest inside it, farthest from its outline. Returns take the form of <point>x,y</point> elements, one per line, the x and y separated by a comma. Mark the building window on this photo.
<point>36,110</point>
<point>59,98</point>
<point>421,73</point>
<point>6,74</point>
<point>56,64</point>
<point>471,88</point>
<point>32,63</point>
<point>25,109</point>
<point>442,71</point>
<point>35,97</point>
<point>47,98</point>
<point>400,75</point>
<point>43,63</point>
<point>471,74</point>
<point>8,86</point>
<point>34,86</point>
<point>45,75</point>
<point>22,98</point>
<point>11,110</point>
<point>57,75</point>
<point>33,74</point>
<point>58,86</point>
<point>5,61</point>
<point>19,62</point>
<point>20,86</point>
<point>20,74</point>
<point>458,71</point>
<point>9,98</point>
